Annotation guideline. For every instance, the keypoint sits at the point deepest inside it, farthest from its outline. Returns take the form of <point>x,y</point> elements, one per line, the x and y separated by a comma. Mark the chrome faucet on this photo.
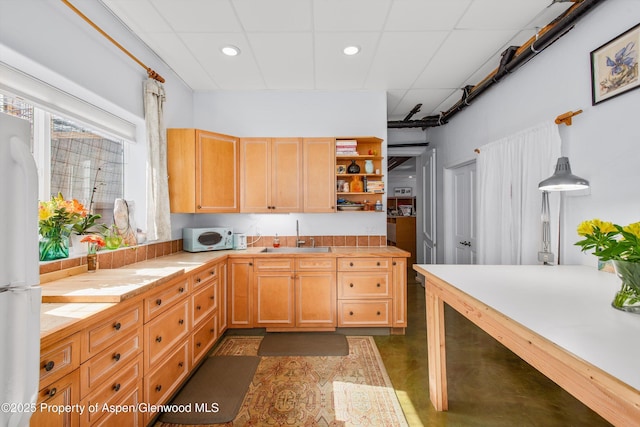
<point>298,241</point>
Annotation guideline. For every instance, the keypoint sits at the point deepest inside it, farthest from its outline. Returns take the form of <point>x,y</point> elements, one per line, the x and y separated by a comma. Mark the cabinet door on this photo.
<point>239,297</point>
<point>274,299</point>
<point>255,178</point>
<point>286,175</point>
<point>216,173</point>
<point>316,299</point>
<point>399,271</point>
<point>62,392</point>
<point>319,181</point>
<point>222,298</point>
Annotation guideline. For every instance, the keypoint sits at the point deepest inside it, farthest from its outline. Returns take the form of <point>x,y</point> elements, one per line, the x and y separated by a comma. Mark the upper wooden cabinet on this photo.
<point>203,171</point>
<point>271,175</point>
<point>318,161</point>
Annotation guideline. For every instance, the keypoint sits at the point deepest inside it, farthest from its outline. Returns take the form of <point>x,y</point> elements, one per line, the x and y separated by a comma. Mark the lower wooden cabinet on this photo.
<point>131,397</point>
<point>273,297</point>
<point>315,293</point>
<point>203,338</point>
<point>240,296</point>
<point>64,391</point>
<point>371,313</point>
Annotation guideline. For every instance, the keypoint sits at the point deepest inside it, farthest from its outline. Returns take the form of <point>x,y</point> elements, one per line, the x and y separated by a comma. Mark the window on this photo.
<point>81,163</point>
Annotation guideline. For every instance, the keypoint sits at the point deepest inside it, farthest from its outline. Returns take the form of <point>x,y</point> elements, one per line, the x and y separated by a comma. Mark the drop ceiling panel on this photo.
<point>174,52</point>
<point>274,15</point>
<point>141,16</point>
<point>501,14</point>
<point>285,59</point>
<point>230,72</point>
<point>334,69</point>
<point>198,15</point>
<point>464,50</point>
<point>401,57</point>
<point>350,15</point>
<point>393,99</point>
<point>421,15</point>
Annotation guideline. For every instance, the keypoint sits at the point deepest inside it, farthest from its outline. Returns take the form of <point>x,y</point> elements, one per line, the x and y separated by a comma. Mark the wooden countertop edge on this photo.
<point>77,325</point>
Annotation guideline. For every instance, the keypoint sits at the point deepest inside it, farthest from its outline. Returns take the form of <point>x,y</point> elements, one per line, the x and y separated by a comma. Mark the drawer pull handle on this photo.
<point>350,264</point>
<point>198,344</point>
<point>158,301</point>
<point>198,307</point>
<point>116,357</point>
<point>250,264</point>
<point>180,364</point>
<point>158,387</point>
<point>116,387</point>
<point>181,289</point>
<point>198,280</point>
<point>351,285</point>
<point>378,313</point>
<point>181,322</point>
<point>49,365</point>
<point>212,330</point>
<point>212,297</point>
<point>117,326</point>
<point>351,313</point>
<point>378,263</point>
<point>158,338</point>
<point>52,392</point>
<point>395,263</point>
<point>378,285</point>
<point>212,272</point>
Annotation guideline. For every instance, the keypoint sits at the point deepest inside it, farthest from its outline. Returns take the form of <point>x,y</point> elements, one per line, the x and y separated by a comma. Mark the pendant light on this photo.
<point>562,179</point>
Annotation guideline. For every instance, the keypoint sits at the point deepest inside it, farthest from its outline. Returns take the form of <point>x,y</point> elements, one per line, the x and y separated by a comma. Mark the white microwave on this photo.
<point>207,239</point>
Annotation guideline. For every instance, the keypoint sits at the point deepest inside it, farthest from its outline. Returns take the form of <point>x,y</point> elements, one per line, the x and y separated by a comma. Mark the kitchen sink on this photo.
<point>296,250</point>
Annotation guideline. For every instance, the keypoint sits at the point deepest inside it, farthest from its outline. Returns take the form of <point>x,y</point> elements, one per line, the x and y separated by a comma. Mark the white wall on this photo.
<point>300,114</point>
<point>602,144</point>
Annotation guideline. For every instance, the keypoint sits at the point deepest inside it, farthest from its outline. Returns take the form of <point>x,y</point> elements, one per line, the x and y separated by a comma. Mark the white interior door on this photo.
<point>464,214</point>
<point>427,213</point>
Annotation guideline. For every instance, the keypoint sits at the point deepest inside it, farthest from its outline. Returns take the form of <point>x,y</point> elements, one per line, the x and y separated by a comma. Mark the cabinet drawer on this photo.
<point>112,391</point>
<point>59,359</point>
<point>164,332</point>
<point>362,264</point>
<point>108,363</point>
<point>315,264</point>
<point>203,276</point>
<point>106,332</point>
<point>162,381</point>
<point>364,313</point>
<point>364,285</point>
<point>165,297</point>
<point>61,392</point>
<point>270,264</point>
<point>131,398</point>
<point>204,301</point>
<point>203,338</point>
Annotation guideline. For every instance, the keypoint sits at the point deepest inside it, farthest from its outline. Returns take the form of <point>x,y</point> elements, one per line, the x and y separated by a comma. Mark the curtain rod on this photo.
<point>152,74</point>
<point>562,118</point>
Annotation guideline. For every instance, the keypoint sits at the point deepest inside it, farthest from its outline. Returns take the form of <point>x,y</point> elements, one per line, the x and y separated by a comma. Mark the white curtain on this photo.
<point>509,202</point>
<point>158,217</point>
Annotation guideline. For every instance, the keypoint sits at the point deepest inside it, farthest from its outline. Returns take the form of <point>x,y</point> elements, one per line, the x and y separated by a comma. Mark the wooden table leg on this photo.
<point>436,350</point>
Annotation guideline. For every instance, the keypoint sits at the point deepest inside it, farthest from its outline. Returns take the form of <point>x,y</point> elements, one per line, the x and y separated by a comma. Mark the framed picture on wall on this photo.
<point>402,191</point>
<point>614,66</point>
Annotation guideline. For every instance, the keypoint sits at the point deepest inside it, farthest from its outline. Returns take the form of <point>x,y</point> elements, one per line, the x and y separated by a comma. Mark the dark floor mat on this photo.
<point>303,344</point>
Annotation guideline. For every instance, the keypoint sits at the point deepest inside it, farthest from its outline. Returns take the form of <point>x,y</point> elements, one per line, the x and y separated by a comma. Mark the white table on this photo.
<point>558,319</point>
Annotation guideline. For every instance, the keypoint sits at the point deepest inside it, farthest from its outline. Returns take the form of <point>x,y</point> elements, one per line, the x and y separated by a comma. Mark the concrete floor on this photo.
<point>488,384</point>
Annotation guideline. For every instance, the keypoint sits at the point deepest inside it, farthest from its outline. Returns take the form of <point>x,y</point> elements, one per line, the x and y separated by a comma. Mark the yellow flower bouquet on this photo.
<point>56,218</point>
<point>620,245</point>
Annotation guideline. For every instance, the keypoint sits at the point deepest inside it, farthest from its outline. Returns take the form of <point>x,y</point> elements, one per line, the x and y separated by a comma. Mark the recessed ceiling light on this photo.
<point>351,50</point>
<point>231,51</point>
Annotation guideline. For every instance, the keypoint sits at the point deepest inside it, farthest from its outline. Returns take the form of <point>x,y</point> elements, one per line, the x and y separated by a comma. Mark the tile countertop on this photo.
<point>71,299</point>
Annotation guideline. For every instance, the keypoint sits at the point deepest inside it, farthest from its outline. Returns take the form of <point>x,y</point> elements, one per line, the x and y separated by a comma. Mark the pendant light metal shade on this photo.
<point>562,179</point>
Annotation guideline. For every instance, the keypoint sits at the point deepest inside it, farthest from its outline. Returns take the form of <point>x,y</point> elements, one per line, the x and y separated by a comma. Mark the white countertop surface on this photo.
<point>568,305</point>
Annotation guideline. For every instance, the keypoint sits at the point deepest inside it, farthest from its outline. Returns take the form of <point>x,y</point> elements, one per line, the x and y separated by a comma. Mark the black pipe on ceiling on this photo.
<point>509,63</point>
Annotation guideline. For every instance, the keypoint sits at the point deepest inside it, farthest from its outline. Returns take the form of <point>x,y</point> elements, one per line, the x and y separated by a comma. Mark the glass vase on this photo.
<point>368,166</point>
<point>628,297</point>
<point>54,247</point>
<point>353,167</point>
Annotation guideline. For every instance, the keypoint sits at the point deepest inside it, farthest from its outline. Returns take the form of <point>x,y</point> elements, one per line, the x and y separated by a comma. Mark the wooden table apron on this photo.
<point>614,400</point>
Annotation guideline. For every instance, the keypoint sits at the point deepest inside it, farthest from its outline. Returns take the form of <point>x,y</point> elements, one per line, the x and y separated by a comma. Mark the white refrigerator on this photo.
<point>20,293</point>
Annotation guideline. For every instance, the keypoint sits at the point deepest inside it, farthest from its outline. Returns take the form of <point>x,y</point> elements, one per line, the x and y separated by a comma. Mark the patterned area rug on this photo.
<point>352,390</point>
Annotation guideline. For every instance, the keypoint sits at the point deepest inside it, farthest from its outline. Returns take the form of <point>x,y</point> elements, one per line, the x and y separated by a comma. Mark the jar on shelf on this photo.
<point>357,185</point>
<point>368,166</point>
<point>353,167</point>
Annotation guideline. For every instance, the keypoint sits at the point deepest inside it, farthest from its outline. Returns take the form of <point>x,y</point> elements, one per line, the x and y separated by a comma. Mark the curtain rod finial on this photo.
<point>153,75</point>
